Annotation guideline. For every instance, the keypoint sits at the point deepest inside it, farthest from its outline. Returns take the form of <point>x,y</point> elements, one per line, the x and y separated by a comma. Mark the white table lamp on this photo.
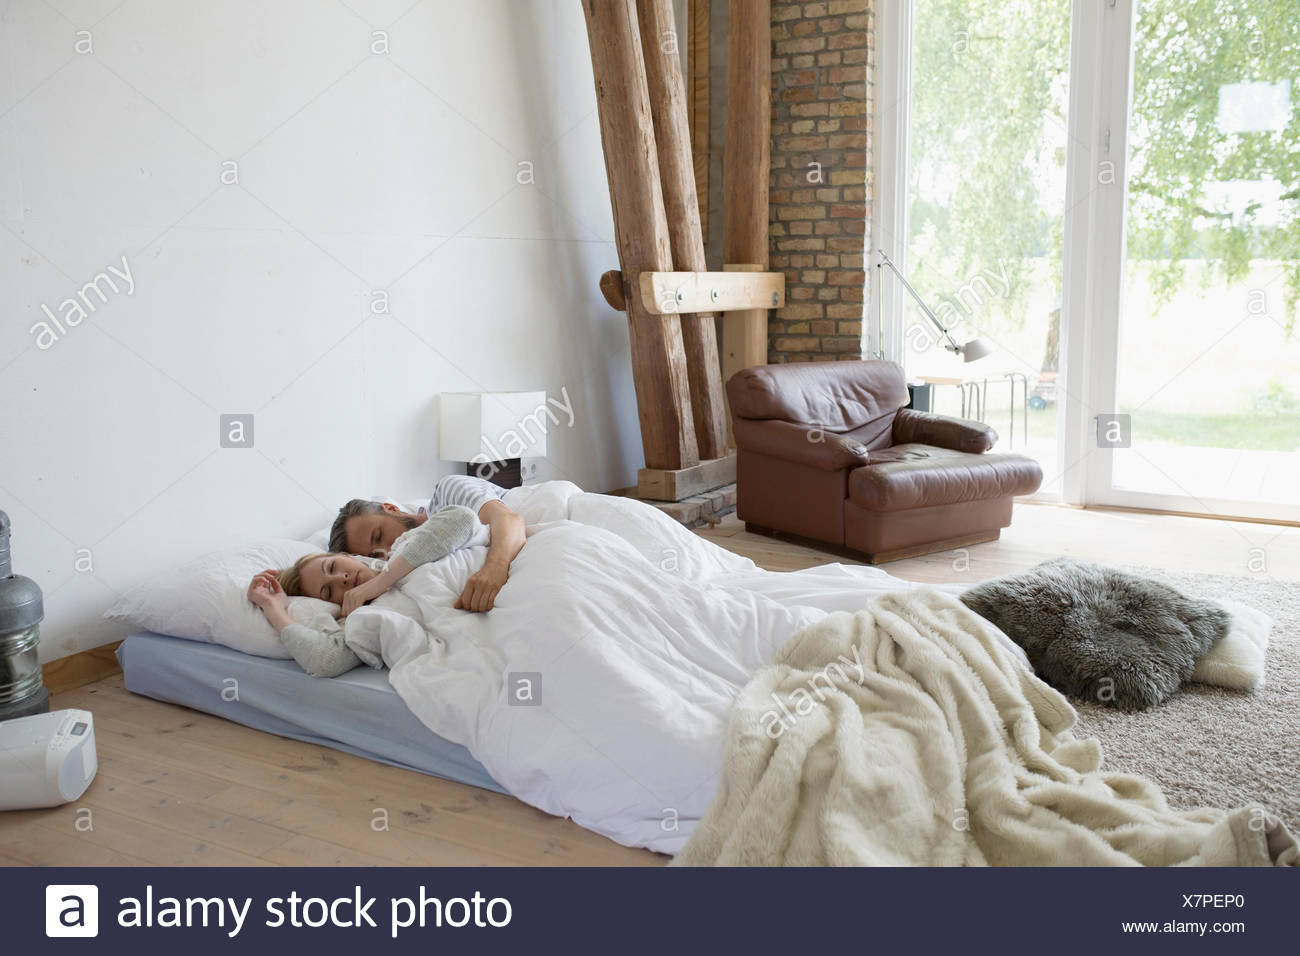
<point>492,431</point>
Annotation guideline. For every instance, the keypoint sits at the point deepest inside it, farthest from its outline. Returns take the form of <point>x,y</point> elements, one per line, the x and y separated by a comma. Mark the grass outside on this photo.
<point>1244,430</point>
<point>1243,393</point>
<point>1251,432</point>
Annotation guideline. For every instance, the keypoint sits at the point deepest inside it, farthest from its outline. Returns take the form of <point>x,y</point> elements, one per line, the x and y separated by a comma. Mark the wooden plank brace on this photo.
<point>668,292</point>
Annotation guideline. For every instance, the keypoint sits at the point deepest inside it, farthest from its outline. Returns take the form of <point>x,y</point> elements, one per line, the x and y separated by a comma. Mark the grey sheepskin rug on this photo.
<point>1100,634</point>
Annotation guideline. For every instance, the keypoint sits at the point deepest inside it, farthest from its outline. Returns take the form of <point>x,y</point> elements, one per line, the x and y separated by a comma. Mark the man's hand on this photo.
<point>507,538</point>
<point>482,587</point>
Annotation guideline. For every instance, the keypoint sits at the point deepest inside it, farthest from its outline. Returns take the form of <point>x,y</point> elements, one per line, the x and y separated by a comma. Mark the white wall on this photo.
<point>358,172</point>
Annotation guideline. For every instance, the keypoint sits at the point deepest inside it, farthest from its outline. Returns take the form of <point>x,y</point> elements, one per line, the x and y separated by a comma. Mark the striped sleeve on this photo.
<point>467,491</point>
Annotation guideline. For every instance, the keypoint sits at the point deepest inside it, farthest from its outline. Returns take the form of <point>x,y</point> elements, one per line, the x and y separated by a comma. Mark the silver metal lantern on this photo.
<point>22,689</point>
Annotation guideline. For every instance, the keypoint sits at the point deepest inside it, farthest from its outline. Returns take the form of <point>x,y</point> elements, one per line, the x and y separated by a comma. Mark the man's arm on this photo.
<point>439,536</point>
<point>507,531</point>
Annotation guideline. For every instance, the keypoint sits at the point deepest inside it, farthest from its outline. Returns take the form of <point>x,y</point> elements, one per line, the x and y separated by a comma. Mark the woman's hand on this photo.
<point>266,592</point>
<point>360,595</point>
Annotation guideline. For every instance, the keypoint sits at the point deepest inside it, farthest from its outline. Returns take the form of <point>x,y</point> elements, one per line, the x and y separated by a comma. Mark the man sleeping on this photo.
<point>351,582</point>
<point>600,685</point>
<point>370,528</point>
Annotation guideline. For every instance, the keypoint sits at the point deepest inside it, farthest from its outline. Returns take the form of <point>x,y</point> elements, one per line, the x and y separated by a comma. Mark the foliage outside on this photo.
<point>989,138</point>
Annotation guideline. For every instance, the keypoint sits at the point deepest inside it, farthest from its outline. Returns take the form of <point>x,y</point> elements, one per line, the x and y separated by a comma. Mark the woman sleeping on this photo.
<point>351,582</point>
<point>598,686</point>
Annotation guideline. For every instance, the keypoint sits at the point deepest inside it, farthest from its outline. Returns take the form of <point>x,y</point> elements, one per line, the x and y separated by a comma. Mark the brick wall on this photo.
<point>822,58</point>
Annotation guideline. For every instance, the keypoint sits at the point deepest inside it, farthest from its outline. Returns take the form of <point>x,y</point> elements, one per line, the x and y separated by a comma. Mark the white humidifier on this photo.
<point>46,759</point>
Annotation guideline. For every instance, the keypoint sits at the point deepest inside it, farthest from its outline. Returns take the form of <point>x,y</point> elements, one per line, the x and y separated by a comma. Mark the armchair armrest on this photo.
<point>955,433</point>
<point>802,444</point>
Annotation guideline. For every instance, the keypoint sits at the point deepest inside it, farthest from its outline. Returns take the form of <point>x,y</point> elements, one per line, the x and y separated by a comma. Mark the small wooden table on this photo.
<point>974,392</point>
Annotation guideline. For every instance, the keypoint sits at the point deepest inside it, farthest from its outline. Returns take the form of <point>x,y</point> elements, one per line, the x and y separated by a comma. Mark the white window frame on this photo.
<point>1092,266</point>
<point>892,122</point>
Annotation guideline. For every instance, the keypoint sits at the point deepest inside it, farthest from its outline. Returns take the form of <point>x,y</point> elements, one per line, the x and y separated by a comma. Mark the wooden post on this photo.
<point>697,100</point>
<point>632,168</point>
<point>681,204</point>
<point>611,287</point>
<point>746,163</point>
<point>748,147</point>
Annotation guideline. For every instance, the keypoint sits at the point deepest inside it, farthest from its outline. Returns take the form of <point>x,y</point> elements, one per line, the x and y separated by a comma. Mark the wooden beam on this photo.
<point>659,43</point>
<point>663,485</point>
<point>746,165</point>
<point>747,152</point>
<point>669,292</point>
<point>611,287</point>
<point>641,230</point>
<point>744,334</point>
<point>697,99</point>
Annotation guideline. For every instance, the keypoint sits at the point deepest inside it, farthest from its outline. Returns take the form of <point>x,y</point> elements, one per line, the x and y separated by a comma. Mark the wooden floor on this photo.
<point>1039,532</point>
<point>179,787</point>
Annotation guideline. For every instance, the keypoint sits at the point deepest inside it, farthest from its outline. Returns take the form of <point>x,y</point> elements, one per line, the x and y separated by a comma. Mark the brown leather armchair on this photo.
<point>827,452</point>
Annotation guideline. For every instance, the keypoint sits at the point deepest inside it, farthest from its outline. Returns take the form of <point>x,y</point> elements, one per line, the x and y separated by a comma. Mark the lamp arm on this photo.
<point>952,344</point>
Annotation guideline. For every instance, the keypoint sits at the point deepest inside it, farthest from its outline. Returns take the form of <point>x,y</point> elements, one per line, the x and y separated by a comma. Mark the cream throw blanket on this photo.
<point>906,735</point>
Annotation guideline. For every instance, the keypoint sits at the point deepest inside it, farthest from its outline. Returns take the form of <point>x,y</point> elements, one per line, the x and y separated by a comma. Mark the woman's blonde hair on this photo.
<point>291,578</point>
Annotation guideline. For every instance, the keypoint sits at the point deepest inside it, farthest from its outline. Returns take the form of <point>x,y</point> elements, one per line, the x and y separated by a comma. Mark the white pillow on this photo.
<point>207,600</point>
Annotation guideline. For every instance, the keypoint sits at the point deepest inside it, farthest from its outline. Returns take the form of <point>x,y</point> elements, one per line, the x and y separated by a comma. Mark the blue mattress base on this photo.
<point>357,712</point>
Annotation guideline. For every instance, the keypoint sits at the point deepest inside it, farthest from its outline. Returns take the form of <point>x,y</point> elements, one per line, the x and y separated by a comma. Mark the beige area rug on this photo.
<point>1210,747</point>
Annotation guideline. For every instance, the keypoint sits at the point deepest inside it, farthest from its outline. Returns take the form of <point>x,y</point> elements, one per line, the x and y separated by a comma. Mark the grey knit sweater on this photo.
<point>326,653</point>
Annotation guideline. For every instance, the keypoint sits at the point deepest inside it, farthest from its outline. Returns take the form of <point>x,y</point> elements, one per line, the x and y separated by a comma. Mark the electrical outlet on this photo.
<point>528,470</point>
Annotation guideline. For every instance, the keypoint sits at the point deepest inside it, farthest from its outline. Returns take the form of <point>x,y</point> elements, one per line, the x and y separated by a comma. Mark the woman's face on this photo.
<point>331,576</point>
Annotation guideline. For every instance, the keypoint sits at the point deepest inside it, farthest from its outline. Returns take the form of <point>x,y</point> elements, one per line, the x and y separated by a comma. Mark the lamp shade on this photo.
<point>492,426</point>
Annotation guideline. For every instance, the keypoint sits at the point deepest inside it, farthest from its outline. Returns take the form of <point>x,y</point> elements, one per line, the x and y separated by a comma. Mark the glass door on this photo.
<point>985,204</point>
<point>1108,195</point>
<point>1206,416</point>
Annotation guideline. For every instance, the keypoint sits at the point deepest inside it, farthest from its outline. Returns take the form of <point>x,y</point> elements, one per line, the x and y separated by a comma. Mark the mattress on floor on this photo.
<point>357,712</point>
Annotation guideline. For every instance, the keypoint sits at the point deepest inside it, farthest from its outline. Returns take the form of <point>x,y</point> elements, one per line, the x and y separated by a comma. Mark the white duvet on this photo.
<point>599,686</point>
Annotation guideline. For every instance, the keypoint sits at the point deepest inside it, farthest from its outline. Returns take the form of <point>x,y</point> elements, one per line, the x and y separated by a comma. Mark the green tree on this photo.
<point>989,136</point>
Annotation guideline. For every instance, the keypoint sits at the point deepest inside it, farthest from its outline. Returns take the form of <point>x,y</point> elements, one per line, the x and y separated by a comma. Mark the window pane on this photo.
<point>986,211</point>
<point>1209,362</point>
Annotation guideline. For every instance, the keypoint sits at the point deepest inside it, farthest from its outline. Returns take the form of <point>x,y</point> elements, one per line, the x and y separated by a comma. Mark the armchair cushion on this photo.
<point>917,476</point>
<point>957,434</point>
<point>857,397</point>
<point>800,444</point>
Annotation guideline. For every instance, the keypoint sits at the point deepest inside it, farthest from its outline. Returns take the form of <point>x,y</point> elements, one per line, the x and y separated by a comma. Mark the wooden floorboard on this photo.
<point>383,811</point>
<point>1041,531</point>
<point>181,787</point>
